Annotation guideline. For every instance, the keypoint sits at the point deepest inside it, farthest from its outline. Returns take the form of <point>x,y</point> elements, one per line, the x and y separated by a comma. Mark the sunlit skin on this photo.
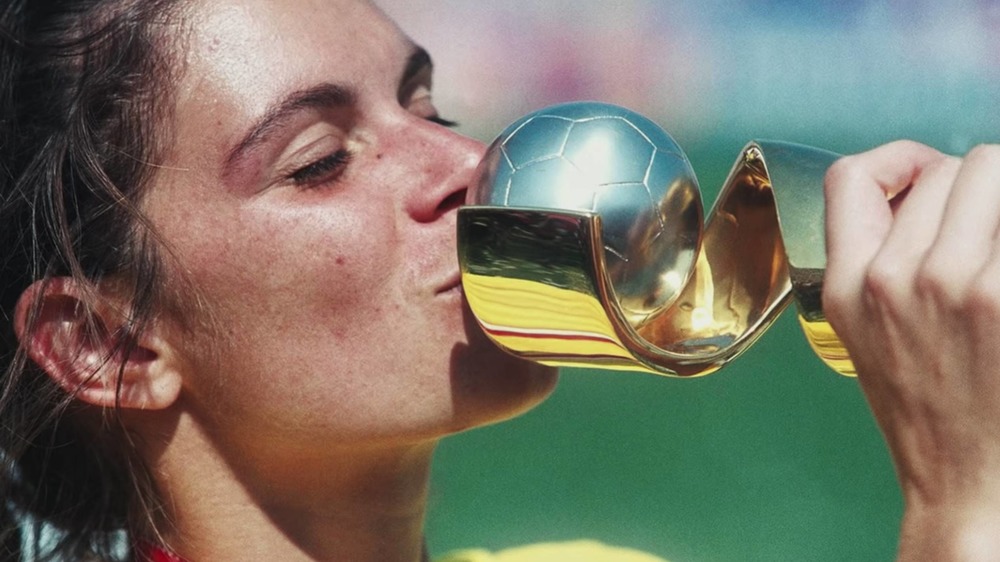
<point>331,346</point>
<point>913,288</point>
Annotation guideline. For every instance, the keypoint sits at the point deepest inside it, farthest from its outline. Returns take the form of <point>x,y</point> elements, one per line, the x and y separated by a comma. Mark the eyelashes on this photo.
<point>438,120</point>
<point>330,167</point>
<point>322,171</point>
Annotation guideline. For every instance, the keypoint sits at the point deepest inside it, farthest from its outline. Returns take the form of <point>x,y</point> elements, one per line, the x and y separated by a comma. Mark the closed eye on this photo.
<point>442,121</point>
<point>323,171</point>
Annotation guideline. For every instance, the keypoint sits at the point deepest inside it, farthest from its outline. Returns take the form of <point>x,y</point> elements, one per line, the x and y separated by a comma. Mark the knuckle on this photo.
<point>844,170</point>
<point>933,282</point>
<point>982,300</point>
<point>883,283</point>
<point>984,153</point>
<point>943,166</point>
<point>906,146</point>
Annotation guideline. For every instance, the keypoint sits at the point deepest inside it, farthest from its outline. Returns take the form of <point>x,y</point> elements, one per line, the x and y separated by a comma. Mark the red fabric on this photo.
<point>146,552</point>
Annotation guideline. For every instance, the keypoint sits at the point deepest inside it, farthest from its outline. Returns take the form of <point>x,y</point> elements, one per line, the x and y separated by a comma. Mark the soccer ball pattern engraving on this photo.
<point>611,161</point>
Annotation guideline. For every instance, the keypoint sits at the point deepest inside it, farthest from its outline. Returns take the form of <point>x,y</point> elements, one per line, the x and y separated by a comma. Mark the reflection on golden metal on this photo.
<point>546,276</point>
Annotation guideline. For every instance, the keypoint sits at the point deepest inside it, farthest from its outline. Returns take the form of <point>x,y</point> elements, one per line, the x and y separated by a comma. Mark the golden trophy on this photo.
<point>584,244</point>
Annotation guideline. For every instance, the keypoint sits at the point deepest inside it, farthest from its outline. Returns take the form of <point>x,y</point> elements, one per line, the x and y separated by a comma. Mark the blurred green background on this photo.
<point>774,457</point>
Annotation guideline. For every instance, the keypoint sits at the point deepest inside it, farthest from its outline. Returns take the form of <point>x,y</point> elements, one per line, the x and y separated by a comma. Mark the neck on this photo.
<point>349,504</point>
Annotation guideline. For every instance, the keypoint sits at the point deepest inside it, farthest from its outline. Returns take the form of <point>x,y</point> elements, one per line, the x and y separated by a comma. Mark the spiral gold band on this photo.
<point>538,282</point>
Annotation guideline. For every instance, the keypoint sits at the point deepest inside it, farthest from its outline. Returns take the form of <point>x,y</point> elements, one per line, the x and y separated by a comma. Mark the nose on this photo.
<point>446,164</point>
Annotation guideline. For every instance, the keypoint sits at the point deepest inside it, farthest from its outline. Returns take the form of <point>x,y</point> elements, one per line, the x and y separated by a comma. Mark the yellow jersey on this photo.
<point>576,551</point>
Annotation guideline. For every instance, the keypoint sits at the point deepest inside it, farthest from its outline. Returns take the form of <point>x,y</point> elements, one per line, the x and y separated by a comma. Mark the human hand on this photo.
<point>912,288</point>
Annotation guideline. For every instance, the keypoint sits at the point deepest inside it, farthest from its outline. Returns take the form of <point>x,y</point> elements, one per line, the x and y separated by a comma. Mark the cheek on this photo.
<point>288,293</point>
<point>291,260</point>
<point>274,284</point>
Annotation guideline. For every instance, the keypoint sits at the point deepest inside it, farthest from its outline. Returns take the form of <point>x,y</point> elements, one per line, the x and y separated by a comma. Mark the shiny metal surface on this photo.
<point>610,161</point>
<point>584,245</point>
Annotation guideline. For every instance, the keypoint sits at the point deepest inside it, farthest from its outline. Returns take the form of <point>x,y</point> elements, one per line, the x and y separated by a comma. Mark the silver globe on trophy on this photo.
<point>584,244</point>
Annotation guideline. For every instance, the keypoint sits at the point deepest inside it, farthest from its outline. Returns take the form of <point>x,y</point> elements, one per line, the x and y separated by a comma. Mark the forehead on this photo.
<point>261,49</point>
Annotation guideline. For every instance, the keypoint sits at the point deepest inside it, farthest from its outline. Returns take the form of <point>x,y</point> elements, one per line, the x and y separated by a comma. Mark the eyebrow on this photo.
<point>325,95</point>
<point>320,96</point>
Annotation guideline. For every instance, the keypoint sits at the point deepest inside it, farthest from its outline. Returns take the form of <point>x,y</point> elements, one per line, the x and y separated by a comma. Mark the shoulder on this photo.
<point>575,551</point>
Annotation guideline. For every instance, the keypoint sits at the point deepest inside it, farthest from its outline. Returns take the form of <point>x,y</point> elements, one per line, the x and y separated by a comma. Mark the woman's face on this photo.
<point>309,197</point>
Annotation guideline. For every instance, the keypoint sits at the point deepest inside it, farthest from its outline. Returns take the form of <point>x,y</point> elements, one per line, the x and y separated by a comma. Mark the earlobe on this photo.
<point>80,347</point>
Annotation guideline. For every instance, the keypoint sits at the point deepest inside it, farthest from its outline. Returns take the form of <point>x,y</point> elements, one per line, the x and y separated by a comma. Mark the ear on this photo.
<point>77,346</point>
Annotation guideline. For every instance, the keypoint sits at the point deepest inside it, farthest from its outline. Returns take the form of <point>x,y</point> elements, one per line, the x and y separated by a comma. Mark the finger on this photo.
<point>916,225</point>
<point>858,215</point>
<point>971,219</point>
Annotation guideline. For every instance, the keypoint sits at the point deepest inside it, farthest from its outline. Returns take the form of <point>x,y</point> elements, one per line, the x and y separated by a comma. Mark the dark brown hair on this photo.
<point>83,113</point>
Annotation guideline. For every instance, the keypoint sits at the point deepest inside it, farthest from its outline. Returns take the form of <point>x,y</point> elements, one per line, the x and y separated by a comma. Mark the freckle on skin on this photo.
<point>378,156</point>
<point>340,260</point>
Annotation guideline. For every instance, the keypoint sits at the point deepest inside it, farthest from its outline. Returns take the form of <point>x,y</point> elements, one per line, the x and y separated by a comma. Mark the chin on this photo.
<point>490,395</point>
<point>490,385</point>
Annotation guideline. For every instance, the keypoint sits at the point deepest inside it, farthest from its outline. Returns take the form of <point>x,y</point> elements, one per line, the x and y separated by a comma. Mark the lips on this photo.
<point>453,283</point>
